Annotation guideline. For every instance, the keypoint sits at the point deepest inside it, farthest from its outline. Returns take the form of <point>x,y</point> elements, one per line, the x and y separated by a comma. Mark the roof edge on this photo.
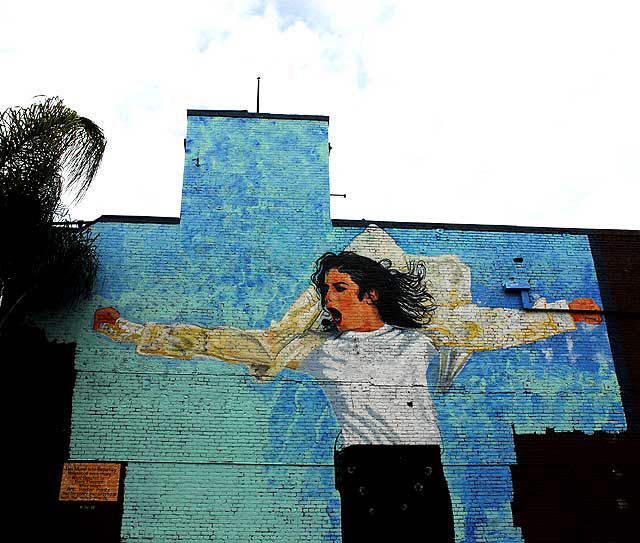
<point>479,227</point>
<point>246,115</point>
<point>363,223</point>
<point>137,219</point>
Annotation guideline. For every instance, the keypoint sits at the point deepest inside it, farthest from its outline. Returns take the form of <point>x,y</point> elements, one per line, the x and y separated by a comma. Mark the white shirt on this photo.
<point>377,385</point>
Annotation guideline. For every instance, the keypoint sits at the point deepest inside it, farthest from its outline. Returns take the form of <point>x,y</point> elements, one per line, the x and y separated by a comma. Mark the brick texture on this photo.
<point>214,454</point>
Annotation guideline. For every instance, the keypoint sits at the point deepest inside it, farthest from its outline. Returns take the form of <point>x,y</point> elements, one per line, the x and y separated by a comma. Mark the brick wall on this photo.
<point>214,454</point>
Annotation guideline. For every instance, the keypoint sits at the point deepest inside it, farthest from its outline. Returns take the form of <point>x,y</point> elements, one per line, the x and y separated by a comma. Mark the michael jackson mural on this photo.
<point>374,315</point>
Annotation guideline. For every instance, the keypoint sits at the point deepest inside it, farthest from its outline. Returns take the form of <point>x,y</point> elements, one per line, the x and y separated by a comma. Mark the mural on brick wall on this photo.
<point>384,333</point>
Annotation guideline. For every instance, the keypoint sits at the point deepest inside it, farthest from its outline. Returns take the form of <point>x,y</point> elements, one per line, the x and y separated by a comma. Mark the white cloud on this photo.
<point>496,112</point>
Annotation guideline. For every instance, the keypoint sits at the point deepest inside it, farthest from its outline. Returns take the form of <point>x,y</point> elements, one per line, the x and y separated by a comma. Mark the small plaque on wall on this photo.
<point>86,482</point>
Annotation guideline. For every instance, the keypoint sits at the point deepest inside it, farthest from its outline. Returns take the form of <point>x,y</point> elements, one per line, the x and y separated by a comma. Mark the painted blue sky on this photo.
<point>496,112</point>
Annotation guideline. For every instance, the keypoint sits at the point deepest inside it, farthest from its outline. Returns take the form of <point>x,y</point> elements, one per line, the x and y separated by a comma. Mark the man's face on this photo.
<point>348,311</point>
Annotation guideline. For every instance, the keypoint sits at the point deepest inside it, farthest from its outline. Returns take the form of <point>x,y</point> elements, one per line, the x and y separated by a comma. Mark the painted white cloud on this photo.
<point>495,112</point>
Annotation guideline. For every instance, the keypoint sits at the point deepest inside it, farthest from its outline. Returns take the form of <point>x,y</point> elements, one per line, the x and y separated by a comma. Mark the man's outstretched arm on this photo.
<point>284,344</point>
<point>475,328</point>
<point>187,341</point>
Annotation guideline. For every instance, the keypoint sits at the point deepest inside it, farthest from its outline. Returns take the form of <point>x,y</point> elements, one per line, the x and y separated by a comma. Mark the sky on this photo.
<point>474,112</point>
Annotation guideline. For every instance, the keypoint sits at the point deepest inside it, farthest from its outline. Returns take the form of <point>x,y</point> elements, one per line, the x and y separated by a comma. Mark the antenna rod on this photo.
<point>258,97</point>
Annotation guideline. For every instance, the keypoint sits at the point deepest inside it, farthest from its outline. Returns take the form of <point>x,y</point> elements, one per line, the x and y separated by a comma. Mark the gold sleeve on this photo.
<point>186,341</point>
<point>475,328</point>
<point>284,344</point>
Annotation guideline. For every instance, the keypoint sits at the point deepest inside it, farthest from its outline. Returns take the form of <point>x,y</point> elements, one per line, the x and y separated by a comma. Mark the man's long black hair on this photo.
<point>403,299</point>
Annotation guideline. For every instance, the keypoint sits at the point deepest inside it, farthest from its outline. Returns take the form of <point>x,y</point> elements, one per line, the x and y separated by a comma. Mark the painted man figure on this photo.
<point>374,372</point>
<point>372,364</point>
<point>371,357</point>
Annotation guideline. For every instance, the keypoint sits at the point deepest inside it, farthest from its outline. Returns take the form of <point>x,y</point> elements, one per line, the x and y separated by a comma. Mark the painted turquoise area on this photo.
<point>217,455</point>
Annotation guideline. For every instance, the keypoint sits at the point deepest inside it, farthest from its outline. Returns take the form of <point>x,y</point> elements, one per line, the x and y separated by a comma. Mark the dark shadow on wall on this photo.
<point>571,487</point>
<point>40,378</point>
<point>616,255</point>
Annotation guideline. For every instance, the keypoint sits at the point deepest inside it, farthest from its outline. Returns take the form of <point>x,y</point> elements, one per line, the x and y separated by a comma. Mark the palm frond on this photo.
<point>45,149</point>
<point>48,136</point>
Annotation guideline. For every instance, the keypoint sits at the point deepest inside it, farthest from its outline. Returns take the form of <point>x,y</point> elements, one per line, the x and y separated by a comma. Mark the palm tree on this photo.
<point>45,260</point>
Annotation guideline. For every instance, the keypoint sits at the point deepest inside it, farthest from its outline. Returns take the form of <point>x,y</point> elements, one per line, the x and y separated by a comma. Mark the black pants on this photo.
<point>393,493</point>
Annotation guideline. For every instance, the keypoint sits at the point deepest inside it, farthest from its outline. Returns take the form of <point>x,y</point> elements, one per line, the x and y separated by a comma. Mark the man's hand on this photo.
<point>107,321</point>
<point>105,318</point>
<point>585,304</point>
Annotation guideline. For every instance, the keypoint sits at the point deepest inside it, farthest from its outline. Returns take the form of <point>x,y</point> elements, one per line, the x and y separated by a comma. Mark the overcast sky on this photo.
<point>490,112</point>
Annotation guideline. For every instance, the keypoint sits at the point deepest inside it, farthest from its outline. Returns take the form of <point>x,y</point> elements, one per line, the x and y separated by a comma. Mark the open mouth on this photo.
<point>336,316</point>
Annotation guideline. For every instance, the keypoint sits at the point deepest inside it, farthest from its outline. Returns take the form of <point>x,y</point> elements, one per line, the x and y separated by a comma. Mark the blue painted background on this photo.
<point>214,454</point>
